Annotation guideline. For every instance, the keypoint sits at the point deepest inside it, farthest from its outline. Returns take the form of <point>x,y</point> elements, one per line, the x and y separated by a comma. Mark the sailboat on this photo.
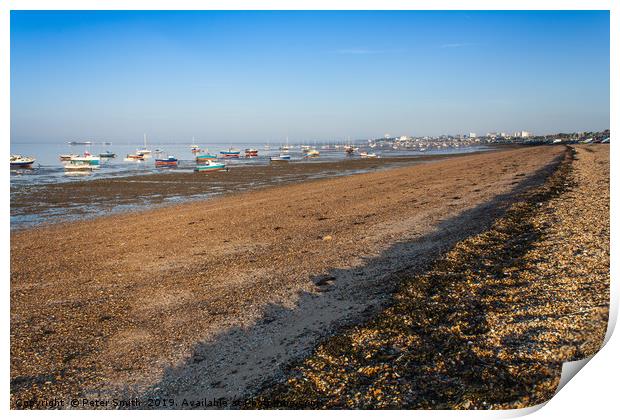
<point>144,151</point>
<point>285,148</point>
<point>195,148</point>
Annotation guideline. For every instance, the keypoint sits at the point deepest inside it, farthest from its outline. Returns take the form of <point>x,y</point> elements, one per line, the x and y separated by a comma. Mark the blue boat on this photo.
<point>19,161</point>
<point>230,153</point>
<point>281,158</point>
<point>169,161</point>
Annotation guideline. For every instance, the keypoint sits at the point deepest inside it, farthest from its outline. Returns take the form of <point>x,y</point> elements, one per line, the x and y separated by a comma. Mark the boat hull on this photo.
<point>18,165</point>
<point>279,159</point>
<point>78,168</point>
<point>205,158</point>
<point>210,168</point>
<point>166,163</point>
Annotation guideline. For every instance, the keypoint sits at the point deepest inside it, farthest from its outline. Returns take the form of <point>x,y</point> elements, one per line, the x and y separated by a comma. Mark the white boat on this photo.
<point>285,148</point>
<point>280,158</point>
<point>145,151</point>
<point>23,162</point>
<point>87,159</point>
<point>76,165</point>
<point>365,155</point>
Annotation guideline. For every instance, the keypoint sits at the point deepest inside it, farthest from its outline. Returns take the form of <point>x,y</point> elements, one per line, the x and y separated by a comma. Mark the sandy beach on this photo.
<point>216,298</point>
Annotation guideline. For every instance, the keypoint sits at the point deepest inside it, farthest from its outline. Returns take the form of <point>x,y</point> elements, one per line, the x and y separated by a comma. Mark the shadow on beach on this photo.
<point>261,356</point>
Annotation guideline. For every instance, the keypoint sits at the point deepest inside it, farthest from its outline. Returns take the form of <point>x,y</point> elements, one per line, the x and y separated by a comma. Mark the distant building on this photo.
<point>521,134</point>
<point>472,135</point>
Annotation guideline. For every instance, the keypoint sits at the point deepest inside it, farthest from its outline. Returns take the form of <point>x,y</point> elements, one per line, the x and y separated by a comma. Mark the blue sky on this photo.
<point>259,76</point>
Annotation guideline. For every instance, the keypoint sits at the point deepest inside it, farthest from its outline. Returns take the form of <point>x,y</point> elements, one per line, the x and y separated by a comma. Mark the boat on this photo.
<point>23,162</point>
<point>107,154</point>
<point>86,159</point>
<point>67,156</point>
<point>195,148</point>
<point>134,157</point>
<point>312,153</point>
<point>230,153</point>
<point>349,150</point>
<point>210,166</point>
<point>170,161</point>
<point>365,155</point>
<point>76,165</point>
<point>80,142</point>
<point>251,153</point>
<point>280,158</point>
<point>145,152</point>
<point>205,157</point>
<point>305,148</point>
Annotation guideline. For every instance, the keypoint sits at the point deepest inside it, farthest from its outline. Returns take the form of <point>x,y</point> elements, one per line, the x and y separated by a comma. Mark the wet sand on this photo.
<point>209,299</point>
<point>68,201</point>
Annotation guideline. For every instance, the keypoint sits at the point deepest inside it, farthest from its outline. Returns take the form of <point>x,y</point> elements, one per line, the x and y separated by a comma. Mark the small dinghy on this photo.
<point>210,166</point>
<point>280,158</point>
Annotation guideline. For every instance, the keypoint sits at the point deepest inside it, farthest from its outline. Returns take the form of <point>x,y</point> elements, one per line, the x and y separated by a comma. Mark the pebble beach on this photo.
<point>463,282</point>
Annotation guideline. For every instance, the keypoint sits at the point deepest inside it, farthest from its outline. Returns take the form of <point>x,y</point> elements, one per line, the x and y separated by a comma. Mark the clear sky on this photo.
<point>258,76</point>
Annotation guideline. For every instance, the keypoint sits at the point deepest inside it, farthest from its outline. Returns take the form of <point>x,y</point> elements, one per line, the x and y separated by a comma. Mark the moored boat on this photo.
<point>90,158</point>
<point>68,156</point>
<point>145,151</point>
<point>312,153</point>
<point>205,157</point>
<point>107,154</point>
<point>280,158</point>
<point>86,159</point>
<point>23,162</point>
<point>230,153</point>
<point>134,157</point>
<point>195,148</point>
<point>251,153</point>
<point>76,165</point>
<point>365,155</point>
<point>170,161</point>
<point>210,166</point>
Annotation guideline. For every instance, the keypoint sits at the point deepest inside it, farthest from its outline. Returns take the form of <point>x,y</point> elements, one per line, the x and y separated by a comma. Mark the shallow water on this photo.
<point>46,195</point>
